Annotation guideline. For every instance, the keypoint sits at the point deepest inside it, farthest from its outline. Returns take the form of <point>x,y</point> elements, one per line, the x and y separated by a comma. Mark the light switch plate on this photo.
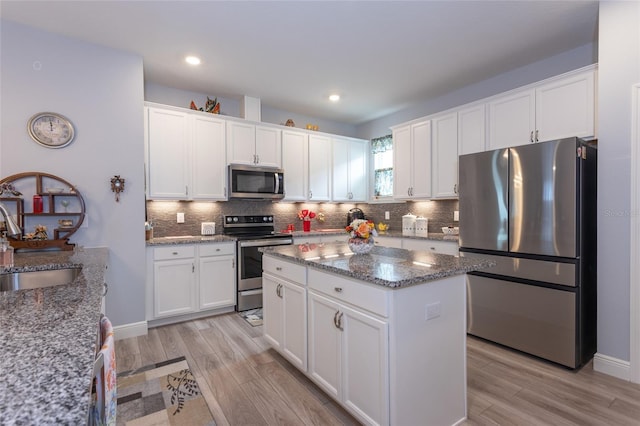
<point>180,218</point>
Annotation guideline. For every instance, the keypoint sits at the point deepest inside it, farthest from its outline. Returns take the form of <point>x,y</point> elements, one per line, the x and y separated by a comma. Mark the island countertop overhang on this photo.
<point>388,267</point>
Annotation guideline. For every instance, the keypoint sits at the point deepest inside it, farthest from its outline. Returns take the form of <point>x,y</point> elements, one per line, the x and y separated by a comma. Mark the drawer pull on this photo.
<point>338,289</point>
<point>217,249</point>
<point>175,253</point>
<point>278,268</point>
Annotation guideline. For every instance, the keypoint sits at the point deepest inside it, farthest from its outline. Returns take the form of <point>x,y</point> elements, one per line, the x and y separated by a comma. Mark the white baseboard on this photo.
<point>130,330</point>
<point>612,366</point>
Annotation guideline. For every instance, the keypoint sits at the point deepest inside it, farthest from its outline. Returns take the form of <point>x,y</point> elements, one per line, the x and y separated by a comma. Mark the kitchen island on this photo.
<point>48,340</point>
<point>384,333</point>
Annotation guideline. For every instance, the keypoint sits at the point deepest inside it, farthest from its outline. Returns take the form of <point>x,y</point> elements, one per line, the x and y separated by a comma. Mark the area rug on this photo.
<point>253,316</point>
<point>165,393</point>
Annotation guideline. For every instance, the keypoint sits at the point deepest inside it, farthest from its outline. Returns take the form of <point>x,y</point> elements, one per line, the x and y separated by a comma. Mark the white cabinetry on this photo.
<point>216,275</point>
<point>285,309</point>
<point>349,169</point>
<point>442,247</point>
<point>370,348</point>
<point>349,349</point>
<point>471,129</point>
<point>444,161</point>
<point>190,279</point>
<point>253,145</point>
<point>393,242</point>
<point>558,108</point>
<point>183,155</point>
<point>412,160</point>
<point>295,163</point>
<point>319,168</point>
<point>174,281</point>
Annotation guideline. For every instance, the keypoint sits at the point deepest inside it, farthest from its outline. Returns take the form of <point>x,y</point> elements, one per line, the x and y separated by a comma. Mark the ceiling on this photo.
<point>380,56</point>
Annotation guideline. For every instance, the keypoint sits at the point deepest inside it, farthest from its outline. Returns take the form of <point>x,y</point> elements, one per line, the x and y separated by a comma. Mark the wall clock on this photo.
<point>51,130</point>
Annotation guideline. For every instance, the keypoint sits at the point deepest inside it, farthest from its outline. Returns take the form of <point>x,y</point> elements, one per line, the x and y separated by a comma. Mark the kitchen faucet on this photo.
<point>13,230</point>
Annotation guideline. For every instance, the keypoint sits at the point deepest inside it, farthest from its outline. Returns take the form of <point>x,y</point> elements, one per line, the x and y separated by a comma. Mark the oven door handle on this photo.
<point>266,243</point>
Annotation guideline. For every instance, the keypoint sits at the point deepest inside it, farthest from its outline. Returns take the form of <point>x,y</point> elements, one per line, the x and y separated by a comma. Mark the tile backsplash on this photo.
<point>163,214</point>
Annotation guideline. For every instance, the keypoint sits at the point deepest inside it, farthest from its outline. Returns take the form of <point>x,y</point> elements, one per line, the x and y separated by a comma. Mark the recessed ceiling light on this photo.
<point>193,60</point>
<point>334,98</point>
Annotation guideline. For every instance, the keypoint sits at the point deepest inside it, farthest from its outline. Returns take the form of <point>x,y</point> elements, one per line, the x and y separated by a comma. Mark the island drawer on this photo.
<point>287,270</point>
<point>173,252</point>
<point>219,249</point>
<point>361,295</point>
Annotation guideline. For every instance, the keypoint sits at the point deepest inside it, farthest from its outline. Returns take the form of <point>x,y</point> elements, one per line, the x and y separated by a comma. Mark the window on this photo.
<point>382,153</point>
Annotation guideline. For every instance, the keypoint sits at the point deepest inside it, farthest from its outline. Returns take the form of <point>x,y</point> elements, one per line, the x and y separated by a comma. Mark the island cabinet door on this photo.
<point>272,312</point>
<point>324,344</point>
<point>285,319</point>
<point>365,366</point>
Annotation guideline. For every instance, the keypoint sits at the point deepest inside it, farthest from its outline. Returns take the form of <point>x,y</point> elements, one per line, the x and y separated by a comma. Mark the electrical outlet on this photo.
<point>180,218</point>
<point>432,310</point>
<point>456,215</point>
<point>387,216</point>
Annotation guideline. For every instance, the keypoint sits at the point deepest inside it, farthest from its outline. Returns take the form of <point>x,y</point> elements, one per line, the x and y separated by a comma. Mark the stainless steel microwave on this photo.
<point>264,183</point>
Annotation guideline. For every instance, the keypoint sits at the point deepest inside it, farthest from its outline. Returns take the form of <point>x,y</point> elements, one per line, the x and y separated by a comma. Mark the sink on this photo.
<point>37,279</point>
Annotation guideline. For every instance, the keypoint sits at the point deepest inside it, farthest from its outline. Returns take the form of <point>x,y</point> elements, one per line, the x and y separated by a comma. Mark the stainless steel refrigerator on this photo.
<point>532,209</point>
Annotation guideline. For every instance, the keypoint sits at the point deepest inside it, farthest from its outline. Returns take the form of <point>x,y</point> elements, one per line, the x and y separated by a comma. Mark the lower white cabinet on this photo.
<point>284,307</point>
<point>435,246</point>
<point>189,278</point>
<point>216,275</point>
<point>348,357</point>
<point>174,282</point>
<point>393,242</point>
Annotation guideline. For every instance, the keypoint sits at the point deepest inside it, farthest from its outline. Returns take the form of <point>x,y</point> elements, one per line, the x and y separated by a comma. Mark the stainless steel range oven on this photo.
<point>252,233</point>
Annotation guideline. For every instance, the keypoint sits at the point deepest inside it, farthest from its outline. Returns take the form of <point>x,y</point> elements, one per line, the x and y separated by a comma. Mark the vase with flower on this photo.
<point>305,216</point>
<point>361,234</point>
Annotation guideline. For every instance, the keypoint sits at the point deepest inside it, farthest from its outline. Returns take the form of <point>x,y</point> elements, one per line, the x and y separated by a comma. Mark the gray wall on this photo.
<point>101,91</point>
<point>619,69</point>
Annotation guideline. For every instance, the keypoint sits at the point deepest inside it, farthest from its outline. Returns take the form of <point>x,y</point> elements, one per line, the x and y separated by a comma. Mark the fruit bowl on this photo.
<point>450,230</point>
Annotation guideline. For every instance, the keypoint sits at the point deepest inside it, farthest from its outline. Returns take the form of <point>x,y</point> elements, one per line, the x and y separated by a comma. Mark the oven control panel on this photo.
<point>256,220</point>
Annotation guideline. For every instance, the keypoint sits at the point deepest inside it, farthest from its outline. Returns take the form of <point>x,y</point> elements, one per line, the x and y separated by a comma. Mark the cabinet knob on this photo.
<point>278,268</point>
<point>338,289</point>
<point>217,249</point>
<point>175,253</point>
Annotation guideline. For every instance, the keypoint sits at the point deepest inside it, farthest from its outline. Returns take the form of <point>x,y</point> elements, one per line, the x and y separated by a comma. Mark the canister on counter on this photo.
<point>422,226</point>
<point>409,224</point>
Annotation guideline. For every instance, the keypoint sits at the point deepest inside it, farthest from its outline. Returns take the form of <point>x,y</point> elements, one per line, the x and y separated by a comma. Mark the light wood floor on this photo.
<point>247,383</point>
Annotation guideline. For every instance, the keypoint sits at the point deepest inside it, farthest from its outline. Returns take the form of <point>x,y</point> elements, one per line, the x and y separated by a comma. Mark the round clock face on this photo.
<point>51,130</point>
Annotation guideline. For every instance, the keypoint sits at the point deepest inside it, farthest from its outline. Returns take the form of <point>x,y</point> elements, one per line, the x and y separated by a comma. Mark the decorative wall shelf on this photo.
<point>42,184</point>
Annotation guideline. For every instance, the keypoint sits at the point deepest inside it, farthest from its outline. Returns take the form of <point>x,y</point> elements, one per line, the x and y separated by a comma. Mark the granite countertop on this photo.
<point>48,340</point>
<point>388,267</point>
<point>190,239</point>
<point>394,234</point>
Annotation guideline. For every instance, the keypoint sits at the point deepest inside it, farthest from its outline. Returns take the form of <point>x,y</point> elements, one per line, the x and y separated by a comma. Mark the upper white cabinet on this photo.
<point>183,155</point>
<point>566,108</point>
<point>319,168</point>
<point>295,163</point>
<point>444,164</point>
<point>350,169</point>
<point>471,129</point>
<point>253,145</point>
<point>412,160</point>
<point>558,108</point>
<point>208,167</point>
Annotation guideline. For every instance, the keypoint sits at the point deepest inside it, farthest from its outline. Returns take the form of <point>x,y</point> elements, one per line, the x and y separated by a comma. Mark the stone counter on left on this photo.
<point>48,340</point>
